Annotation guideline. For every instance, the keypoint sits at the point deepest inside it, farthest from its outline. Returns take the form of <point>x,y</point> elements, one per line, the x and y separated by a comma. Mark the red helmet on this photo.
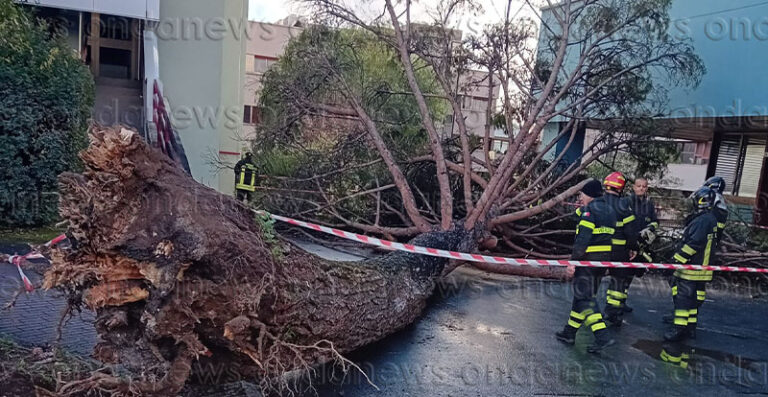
<point>615,181</point>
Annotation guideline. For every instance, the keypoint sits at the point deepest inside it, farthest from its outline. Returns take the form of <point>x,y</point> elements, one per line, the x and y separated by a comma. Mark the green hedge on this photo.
<point>46,95</point>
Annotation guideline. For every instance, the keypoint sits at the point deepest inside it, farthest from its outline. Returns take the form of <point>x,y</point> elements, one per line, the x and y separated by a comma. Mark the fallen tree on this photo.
<point>338,140</point>
<point>178,273</point>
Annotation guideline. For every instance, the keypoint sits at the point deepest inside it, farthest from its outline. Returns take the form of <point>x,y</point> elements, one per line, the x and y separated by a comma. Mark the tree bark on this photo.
<point>178,273</point>
<point>446,197</point>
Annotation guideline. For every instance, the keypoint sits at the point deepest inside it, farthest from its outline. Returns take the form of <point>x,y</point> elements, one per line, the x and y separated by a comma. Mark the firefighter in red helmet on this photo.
<point>624,247</point>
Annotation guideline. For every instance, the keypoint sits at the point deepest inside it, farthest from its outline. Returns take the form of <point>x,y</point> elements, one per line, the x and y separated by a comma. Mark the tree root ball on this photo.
<point>180,274</point>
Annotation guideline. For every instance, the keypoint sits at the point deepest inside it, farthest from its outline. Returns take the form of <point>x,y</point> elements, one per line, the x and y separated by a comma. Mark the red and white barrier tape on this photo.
<point>17,260</point>
<point>498,259</point>
<point>757,226</point>
<point>56,240</point>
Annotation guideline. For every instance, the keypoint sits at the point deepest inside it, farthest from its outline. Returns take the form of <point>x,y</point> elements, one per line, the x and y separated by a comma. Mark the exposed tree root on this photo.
<point>179,274</point>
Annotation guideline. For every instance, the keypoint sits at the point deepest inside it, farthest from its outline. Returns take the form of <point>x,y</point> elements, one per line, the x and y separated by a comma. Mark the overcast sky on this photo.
<point>493,10</point>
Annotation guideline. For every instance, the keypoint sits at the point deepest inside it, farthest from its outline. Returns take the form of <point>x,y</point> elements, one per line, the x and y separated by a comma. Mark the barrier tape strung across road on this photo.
<point>498,259</point>
<point>17,260</point>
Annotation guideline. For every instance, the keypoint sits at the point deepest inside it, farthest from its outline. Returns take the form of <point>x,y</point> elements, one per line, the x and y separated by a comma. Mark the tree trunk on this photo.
<point>178,273</point>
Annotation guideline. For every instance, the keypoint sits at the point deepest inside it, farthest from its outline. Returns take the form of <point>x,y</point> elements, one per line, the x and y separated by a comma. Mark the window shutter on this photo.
<point>728,160</point>
<point>753,164</point>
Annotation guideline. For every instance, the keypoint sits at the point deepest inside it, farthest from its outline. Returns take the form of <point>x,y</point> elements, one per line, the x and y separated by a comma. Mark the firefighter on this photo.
<point>647,224</point>
<point>720,210</point>
<point>696,248</point>
<point>594,232</point>
<point>245,177</point>
<point>645,216</point>
<point>717,184</point>
<point>624,241</point>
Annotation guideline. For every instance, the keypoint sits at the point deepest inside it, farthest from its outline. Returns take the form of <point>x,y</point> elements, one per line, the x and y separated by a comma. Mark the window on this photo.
<point>500,145</point>
<point>252,115</point>
<point>262,64</point>
<point>687,153</point>
<point>115,63</point>
<point>693,153</point>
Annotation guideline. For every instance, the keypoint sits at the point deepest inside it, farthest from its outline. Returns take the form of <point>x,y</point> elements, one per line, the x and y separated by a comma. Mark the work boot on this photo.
<point>567,335</point>
<point>628,309</point>
<point>677,334</point>
<point>602,340</point>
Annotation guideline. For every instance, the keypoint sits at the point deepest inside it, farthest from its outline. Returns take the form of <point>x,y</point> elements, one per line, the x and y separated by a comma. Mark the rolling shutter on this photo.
<point>728,160</point>
<point>751,166</point>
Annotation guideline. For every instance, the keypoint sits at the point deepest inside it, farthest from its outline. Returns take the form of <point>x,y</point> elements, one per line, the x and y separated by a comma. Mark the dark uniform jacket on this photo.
<point>697,246</point>
<point>625,238</point>
<point>595,231</point>
<point>721,214</point>
<point>245,175</point>
<point>645,211</point>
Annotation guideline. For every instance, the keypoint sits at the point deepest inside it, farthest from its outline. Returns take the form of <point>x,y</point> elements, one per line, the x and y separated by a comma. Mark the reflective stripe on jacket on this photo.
<point>698,246</point>
<point>626,224</point>
<point>595,230</point>
<point>246,178</point>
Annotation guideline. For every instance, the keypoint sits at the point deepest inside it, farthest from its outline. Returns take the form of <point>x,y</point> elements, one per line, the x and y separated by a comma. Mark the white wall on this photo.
<point>203,80</point>
<point>684,177</point>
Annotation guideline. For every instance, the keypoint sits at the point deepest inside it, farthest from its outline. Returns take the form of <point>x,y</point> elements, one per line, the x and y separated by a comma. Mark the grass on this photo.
<point>36,235</point>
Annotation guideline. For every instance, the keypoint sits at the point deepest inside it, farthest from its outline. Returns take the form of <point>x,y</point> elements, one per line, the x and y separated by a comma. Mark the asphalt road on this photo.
<point>487,335</point>
<point>34,319</point>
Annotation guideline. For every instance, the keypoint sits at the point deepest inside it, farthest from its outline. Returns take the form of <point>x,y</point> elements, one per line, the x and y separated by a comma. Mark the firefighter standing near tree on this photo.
<point>697,247</point>
<point>624,247</point>
<point>593,243</point>
<point>645,214</point>
<point>647,224</point>
<point>720,211</point>
<point>245,178</point>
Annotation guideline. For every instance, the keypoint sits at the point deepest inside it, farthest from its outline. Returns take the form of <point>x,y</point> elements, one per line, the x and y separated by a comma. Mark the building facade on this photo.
<point>265,46</point>
<point>721,126</point>
<point>193,50</point>
<point>267,42</point>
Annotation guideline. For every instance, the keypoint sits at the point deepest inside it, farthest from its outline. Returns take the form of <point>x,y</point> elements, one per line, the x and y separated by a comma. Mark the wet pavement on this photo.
<point>489,335</point>
<point>34,319</point>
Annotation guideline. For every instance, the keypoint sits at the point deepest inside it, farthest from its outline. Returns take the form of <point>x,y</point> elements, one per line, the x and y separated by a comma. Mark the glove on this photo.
<point>647,235</point>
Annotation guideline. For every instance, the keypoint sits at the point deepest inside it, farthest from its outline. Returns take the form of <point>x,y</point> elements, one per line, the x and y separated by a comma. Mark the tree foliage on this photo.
<point>46,94</point>
<point>308,131</point>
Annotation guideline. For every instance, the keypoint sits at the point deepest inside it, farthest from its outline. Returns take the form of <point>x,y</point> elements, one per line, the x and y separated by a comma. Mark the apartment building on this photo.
<point>191,51</point>
<point>265,46</point>
<point>268,40</point>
